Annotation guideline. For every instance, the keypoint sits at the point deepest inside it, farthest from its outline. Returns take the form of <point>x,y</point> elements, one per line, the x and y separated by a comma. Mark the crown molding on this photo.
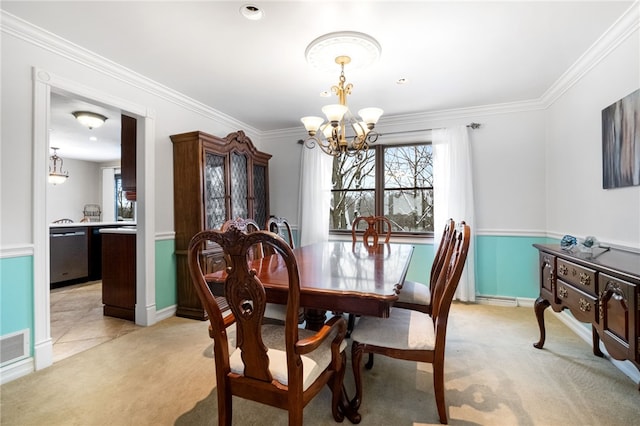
<point>24,30</point>
<point>619,31</point>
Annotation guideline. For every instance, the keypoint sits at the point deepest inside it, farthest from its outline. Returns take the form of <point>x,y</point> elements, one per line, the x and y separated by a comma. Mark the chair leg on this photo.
<point>225,413</point>
<point>356,358</point>
<point>338,395</point>
<point>350,324</point>
<point>369,364</point>
<point>438,389</point>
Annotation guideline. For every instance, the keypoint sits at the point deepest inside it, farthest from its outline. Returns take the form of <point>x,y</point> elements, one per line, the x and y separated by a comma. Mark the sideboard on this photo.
<point>600,287</point>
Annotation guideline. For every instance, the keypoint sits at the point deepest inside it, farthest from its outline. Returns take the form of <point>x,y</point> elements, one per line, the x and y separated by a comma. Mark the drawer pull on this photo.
<point>585,279</point>
<point>562,292</point>
<point>584,305</point>
<point>562,269</point>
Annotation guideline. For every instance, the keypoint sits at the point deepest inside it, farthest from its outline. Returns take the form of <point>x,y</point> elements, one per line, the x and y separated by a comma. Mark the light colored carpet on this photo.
<point>164,375</point>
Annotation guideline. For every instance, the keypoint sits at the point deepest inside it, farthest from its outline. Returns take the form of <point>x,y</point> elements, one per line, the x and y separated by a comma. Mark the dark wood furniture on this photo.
<point>376,226</point>
<point>338,276</point>
<point>119,274</point>
<point>68,247</point>
<point>281,366</point>
<point>214,180</point>
<point>412,335</point>
<point>600,288</point>
<point>281,226</point>
<point>417,296</point>
<point>128,156</point>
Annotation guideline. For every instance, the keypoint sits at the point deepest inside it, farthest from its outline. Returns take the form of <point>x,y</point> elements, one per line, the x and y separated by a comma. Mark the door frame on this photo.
<point>44,83</point>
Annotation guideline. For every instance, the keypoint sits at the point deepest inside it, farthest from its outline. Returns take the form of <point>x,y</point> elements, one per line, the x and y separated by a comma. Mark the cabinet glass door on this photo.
<point>260,194</point>
<point>214,191</point>
<point>239,186</point>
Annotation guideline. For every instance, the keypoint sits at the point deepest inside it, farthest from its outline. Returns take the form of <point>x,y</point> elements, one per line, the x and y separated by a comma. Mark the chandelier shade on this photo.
<point>56,175</point>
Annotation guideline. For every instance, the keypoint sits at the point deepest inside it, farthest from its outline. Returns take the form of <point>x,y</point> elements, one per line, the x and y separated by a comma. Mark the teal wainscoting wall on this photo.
<point>506,266</point>
<point>166,281</point>
<point>16,296</point>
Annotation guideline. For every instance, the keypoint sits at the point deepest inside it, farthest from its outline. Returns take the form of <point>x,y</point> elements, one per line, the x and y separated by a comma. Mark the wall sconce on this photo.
<point>56,176</point>
<point>90,119</point>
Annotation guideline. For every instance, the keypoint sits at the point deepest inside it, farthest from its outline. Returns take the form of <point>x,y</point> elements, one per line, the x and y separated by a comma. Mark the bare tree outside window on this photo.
<point>403,192</point>
<point>124,207</point>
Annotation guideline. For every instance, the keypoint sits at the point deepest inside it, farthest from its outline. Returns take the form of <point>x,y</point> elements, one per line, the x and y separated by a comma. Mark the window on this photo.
<point>123,207</point>
<point>395,181</point>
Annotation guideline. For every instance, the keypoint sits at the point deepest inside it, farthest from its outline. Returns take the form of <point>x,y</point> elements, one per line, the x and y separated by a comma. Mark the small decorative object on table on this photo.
<point>568,242</point>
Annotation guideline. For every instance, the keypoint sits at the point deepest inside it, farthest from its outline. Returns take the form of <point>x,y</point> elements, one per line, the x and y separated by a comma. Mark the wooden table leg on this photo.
<point>539,307</point>
<point>315,318</point>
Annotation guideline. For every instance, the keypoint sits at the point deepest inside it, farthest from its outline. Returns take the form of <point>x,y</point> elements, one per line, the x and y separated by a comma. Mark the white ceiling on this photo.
<point>454,54</point>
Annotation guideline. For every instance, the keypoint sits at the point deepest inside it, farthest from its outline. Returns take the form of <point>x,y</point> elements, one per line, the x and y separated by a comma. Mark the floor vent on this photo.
<point>14,347</point>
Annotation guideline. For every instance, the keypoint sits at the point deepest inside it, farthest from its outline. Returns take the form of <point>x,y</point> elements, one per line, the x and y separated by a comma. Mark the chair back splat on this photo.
<point>282,366</point>
<point>376,227</point>
<point>414,335</point>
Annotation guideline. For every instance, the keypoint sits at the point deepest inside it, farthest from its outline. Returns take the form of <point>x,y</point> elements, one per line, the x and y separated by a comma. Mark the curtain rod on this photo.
<point>472,125</point>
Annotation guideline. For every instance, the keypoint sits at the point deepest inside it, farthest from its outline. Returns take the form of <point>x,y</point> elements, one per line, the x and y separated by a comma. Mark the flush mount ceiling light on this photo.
<point>252,12</point>
<point>56,175</point>
<point>90,119</point>
<point>362,49</point>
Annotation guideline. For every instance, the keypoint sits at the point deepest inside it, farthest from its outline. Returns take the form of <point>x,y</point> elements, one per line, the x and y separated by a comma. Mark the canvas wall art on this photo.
<point>621,142</point>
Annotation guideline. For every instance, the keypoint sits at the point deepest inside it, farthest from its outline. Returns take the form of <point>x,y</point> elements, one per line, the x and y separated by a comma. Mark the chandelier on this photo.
<point>56,176</point>
<point>343,134</point>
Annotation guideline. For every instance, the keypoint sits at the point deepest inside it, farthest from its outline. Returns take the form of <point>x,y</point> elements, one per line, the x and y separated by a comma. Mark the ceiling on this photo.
<point>453,54</point>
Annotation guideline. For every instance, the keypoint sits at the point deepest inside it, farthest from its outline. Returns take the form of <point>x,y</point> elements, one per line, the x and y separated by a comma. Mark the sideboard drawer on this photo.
<point>579,276</point>
<point>583,306</point>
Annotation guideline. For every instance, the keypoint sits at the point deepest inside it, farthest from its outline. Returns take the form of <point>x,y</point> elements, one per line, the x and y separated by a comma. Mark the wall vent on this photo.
<point>14,347</point>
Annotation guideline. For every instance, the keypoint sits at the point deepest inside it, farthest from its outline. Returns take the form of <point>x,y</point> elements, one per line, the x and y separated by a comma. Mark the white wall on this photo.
<point>577,204</point>
<point>84,186</point>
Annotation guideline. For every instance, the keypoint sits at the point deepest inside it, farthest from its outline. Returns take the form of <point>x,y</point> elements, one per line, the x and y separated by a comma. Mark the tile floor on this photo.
<point>77,322</point>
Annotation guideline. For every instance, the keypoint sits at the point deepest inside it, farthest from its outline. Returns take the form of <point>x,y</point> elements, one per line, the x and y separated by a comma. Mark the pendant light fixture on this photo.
<point>56,175</point>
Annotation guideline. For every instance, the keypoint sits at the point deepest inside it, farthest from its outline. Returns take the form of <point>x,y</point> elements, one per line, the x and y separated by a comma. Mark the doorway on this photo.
<point>45,84</point>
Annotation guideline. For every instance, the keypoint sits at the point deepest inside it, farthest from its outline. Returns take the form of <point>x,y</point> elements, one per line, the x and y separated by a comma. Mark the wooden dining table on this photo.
<point>339,276</point>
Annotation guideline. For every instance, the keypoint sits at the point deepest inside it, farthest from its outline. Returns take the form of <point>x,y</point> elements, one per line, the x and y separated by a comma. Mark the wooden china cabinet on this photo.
<point>214,180</point>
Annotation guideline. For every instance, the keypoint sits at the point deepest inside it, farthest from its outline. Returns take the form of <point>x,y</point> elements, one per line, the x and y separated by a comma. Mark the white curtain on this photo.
<point>453,194</point>
<point>315,195</point>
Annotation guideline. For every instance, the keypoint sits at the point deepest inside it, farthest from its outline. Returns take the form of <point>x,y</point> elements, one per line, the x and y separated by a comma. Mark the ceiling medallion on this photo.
<point>363,50</point>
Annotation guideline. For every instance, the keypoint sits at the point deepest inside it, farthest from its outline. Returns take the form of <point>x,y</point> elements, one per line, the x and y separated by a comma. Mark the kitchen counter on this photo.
<point>97,224</point>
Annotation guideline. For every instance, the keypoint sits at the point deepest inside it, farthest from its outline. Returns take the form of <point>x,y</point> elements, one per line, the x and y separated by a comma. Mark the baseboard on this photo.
<point>165,313</point>
<point>16,370</point>
<point>506,301</point>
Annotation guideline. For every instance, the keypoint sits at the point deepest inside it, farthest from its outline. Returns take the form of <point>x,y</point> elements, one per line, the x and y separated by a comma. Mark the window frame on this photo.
<point>379,191</point>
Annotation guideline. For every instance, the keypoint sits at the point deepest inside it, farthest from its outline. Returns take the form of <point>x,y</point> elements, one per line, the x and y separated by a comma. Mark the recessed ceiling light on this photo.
<point>325,94</point>
<point>252,12</point>
<point>93,138</point>
<point>402,81</point>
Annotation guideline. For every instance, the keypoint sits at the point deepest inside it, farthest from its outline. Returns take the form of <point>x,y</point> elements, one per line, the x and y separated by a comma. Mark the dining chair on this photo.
<point>63,221</point>
<point>416,295</point>
<point>245,225</point>
<point>376,226</point>
<point>281,227</point>
<point>413,335</point>
<point>281,366</point>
